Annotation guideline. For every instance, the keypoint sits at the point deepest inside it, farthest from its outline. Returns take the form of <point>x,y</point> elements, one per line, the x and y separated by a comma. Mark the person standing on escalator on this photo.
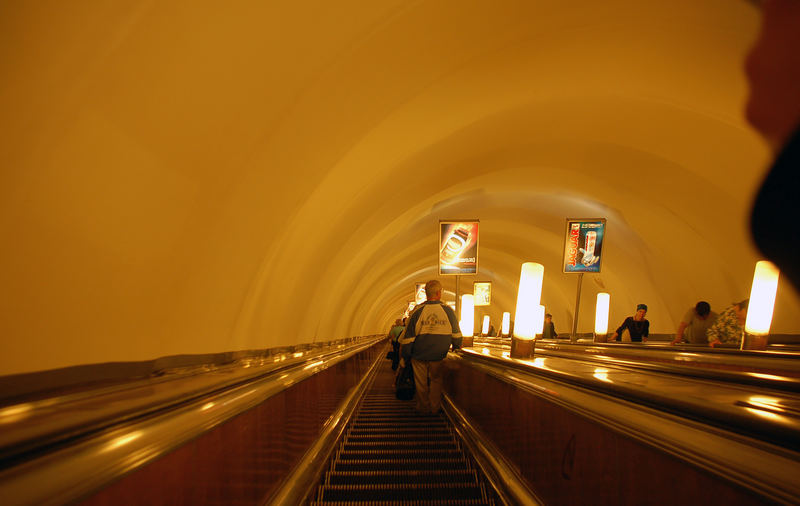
<point>430,331</point>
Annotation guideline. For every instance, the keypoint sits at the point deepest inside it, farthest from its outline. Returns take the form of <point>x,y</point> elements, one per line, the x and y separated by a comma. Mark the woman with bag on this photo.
<point>635,328</point>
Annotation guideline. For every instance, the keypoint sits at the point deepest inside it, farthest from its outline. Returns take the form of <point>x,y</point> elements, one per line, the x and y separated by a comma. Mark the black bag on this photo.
<point>404,387</point>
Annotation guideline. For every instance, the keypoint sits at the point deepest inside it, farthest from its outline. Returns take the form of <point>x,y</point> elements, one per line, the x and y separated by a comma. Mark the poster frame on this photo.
<point>441,241</point>
<point>595,268</point>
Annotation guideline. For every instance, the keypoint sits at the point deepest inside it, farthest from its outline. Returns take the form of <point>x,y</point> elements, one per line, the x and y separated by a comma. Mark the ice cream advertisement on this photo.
<point>482,293</point>
<point>458,247</point>
<point>583,244</point>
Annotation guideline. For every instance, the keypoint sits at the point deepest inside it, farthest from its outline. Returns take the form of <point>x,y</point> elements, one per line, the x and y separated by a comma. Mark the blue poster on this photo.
<point>583,244</point>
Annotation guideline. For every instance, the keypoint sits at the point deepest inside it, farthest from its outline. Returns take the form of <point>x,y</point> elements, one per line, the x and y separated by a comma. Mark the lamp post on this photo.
<point>760,307</point>
<point>504,329</point>
<point>467,322</point>
<point>601,317</point>
<point>527,312</point>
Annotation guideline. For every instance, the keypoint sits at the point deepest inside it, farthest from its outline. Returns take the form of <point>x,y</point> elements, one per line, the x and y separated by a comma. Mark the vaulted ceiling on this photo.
<point>194,177</point>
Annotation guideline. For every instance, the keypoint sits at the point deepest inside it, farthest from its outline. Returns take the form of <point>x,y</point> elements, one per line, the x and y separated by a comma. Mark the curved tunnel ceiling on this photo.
<point>191,178</point>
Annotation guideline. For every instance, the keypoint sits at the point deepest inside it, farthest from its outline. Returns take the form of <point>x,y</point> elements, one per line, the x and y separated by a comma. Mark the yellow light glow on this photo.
<point>601,374</point>
<point>528,297</point>
<point>601,314</point>
<point>485,351</point>
<point>16,413</point>
<point>297,354</point>
<point>506,323</point>
<point>207,406</point>
<point>467,315</point>
<point>485,328</point>
<point>121,441</point>
<point>538,362</point>
<point>762,299</point>
<point>506,354</point>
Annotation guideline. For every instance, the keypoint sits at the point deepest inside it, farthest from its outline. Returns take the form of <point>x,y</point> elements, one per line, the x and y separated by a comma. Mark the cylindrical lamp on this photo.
<point>506,323</point>
<point>538,320</point>
<point>601,317</point>
<point>485,328</point>
<point>528,296</point>
<point>467,322</point>
<point>527,312</point>
<point>761,305</point>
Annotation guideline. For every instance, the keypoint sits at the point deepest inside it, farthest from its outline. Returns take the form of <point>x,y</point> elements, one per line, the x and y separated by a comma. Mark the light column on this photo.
<point>467,322</point>
<point>601,317</point>
<point>525,318</point>
<point>760,307</point>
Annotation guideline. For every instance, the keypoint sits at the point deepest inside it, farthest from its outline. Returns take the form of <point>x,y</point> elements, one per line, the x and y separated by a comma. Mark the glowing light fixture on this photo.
<point>538,320</point>
<point>467,322</point>
<point>485,328</point>
<point>601,314</point>
<point>762,299</point>
<point>528,297</point>
<point>506,323</point>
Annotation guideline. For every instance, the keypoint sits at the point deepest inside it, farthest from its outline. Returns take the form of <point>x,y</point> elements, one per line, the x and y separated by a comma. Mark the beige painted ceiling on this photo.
<point>194,176</point>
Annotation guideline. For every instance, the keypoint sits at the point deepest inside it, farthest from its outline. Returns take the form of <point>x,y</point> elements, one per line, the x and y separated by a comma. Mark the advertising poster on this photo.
<point>409,308</point>
<point>583,244</point>
<point>419,293</point>
<point>458,247</point>
<point>482,293</point>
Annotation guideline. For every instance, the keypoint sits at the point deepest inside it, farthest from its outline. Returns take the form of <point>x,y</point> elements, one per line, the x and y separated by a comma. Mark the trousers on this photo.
<point>428,380</point>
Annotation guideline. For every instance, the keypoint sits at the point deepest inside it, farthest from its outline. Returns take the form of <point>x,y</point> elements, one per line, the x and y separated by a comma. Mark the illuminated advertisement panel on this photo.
<point>583,244</point>
<point>458,247</point>
<point>419,293</point>
<point>409,309</point>
<point>482,293</point>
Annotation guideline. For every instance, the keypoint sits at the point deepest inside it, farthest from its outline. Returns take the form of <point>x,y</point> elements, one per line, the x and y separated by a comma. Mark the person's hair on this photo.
<point>742,304</point>
<point>703,308</point>
<point>548,315</point>
<point>641,306</point>
<point>432,288</point>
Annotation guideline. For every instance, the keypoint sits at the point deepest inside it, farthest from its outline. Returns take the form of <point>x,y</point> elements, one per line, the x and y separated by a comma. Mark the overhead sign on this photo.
<point>482,293</point>
<point>583,244</point>
<point>458,247</point>
<point>419,293</point>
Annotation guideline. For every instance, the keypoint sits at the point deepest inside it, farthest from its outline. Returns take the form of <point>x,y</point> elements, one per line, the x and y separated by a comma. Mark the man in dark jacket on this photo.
<point>430,331</point>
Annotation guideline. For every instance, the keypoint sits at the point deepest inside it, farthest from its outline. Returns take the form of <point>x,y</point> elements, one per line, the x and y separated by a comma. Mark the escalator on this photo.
<point>390,455</point>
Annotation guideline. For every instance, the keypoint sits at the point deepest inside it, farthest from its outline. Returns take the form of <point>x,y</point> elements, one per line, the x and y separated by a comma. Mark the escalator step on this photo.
<point>398,454</point>
<point>411,464</point>
<point>419,502</point>
<point>388,446</point>
<point>384,437</point>
<point>384,477</point>
<point>402,492</point>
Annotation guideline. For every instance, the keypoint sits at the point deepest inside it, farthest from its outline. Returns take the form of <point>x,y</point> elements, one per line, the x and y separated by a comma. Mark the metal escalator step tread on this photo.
<point>402,491</point>
<point>408,444</point>
<point>417,502</point>
<point>378,436</point>
<point>392,425</point>
<point>408,476</point>
<point>399,453</point>
<point>407,464</point>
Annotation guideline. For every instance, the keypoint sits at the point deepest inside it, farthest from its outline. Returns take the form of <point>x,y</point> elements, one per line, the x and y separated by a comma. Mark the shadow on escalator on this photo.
<point>392,455</point>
